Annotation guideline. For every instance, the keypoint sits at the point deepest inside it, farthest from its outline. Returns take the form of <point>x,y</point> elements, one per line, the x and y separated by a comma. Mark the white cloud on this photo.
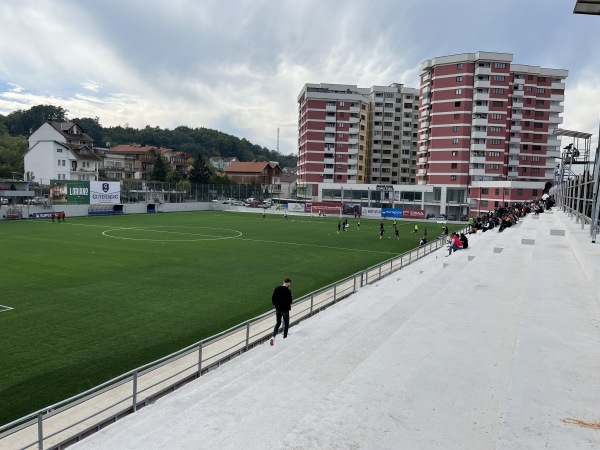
<point>239,69</point>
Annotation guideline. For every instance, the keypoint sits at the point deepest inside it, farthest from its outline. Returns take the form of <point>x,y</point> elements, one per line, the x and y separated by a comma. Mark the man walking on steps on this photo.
<point>282,300</point>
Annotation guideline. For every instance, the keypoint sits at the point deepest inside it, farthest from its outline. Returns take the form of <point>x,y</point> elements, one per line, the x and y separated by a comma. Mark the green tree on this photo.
<point>159,172</point>
<point>200,173</point>
<point>174,177</point>
<point>25,121</point>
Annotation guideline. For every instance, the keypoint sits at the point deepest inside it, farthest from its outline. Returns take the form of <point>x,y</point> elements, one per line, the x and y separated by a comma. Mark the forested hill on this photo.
<point>196,141</point>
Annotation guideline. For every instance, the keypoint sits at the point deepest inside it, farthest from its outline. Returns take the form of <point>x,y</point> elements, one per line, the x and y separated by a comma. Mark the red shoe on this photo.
<point>272,342</point>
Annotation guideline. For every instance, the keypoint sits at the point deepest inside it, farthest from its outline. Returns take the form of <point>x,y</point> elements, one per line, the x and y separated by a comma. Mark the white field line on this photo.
<point>5,308</point>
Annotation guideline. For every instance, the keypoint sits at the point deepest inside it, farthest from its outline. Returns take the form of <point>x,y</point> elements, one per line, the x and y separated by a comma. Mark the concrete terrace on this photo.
<point>497,346</point>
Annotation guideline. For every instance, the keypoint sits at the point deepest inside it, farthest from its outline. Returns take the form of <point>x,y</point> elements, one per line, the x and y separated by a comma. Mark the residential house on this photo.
<point>254,172</point>
<point>221,163</point>
<point>61,151</point>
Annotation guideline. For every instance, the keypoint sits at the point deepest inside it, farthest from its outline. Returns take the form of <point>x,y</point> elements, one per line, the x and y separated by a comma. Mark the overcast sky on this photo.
<point>238,66</point>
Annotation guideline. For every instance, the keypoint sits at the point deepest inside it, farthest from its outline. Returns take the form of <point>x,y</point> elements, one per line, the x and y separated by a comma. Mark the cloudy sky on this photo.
<point>238,65</point>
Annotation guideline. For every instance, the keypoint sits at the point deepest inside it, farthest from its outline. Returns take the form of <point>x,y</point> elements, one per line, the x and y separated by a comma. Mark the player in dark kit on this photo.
<point>282,300</point>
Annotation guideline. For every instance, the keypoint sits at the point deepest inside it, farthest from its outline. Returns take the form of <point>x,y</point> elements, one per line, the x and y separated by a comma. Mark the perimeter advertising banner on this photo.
<point>105,192</point>
<point>371,212</point>
<point>414,214</point>
<point>70,191</point>
<point>396,213</point>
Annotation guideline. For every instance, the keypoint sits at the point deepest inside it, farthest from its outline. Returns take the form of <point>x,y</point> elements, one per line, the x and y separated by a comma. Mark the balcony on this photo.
<point>481,96</point>
<point>557,85</point>
<point>555,120</point>
<point>330,129</point>
<point>329,161</point>
<point>477,172</point>
<point>483,71</point>
<point>423,160</point>
<point>482,84</point>
<point>423,148</point>
<point>513,150</point>
<point>424,124</point>
<point>477,159</point>
<point>517,116</point>
<point>516,128</point>
<point>513,174</point>
<point>520,81</point>
<point>515,139</point>
<point>427,76</point>
<point>330,139</point>
<point>518,94</point>
<point>479,134</point>
<point>557,97</point>
<point>330,107</point>
<point>426,100</point>
<point>553,153</point>
<point>481,109</point>
<point>421,171</point>
<point>478,147</point>
<point>557,108</point>
<point>351,172</point>
<point>426,113</point>
<point>480,122</point>
<point>553,141</point>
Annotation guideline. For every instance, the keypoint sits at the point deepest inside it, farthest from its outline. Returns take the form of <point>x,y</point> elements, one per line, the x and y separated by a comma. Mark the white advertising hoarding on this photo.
<point>105,192</point>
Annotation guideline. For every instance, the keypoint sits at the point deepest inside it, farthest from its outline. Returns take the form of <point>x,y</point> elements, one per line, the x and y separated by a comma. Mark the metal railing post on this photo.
<point>334,292</point>
<point>40,432</point>
<point>247,335</point>
<point>200,360</point>
<point>312,299</point>
<point>135,376</point>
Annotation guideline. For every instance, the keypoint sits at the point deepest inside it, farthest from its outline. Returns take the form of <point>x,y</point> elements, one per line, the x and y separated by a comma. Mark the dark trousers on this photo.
<point>286,322</point>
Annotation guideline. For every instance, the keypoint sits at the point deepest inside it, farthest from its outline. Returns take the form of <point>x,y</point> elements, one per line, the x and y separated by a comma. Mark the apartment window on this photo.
<point>541,90</point>
<point>339,166</point>
<point>456,116</point>
<point>541,79</point>
<point>484,202</point>
<point>499,65</point>
<point>540,102</point>
<point>498,91</point>
<point>59,162</point>
<point>459,78</point>
<point>497,103</point>
<point>458,91</point>
<point>535,170</point>
<point>538,125</point>
<point>455,129</point>
<point>494,166</point>
<point>342,103</point>
<point>535,158</point>
<point>497,191</point>
<point>341,135</point>
<point>454,153</point>
<point>494,154</point>
<point>495,141</point>
<point>453,177</point>
<point>455,141</point>
<point>459,66</point>
<point>453,165</point>
<point>457,104</point>
<point>496,116</point>
<point>340,145</point>
<point>59,150</point>
<point>524,158</point>
<point>528,88</point>
<point>485,191</point>
<point>498,77</point>
<point>496,129</point>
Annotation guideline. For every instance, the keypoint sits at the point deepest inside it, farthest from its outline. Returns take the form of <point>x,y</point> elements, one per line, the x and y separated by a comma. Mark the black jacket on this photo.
<point>282,298</point>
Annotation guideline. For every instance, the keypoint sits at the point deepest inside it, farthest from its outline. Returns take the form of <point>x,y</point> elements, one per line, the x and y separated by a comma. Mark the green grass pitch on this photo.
<point>97,296</point>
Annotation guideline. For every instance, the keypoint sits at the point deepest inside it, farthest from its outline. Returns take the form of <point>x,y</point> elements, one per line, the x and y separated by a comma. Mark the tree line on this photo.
<point>201,142</point>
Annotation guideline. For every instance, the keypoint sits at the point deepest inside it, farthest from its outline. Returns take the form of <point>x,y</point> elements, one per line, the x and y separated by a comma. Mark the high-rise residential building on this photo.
<point>486,127</point>
<point>353,135</point>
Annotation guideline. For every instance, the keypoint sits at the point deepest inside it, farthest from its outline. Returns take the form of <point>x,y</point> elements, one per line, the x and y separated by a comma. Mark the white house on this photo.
<point>60,151</point>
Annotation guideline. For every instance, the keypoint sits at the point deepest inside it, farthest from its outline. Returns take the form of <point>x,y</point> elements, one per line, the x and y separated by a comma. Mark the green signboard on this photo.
<point>70,192</point>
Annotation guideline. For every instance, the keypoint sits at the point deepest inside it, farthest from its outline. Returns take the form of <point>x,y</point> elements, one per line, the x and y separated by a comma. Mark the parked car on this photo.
<point>430,216</point>
<point>451,217</point>
<point>4,201</point>
<point>464,218</point>
<point>238,203</point>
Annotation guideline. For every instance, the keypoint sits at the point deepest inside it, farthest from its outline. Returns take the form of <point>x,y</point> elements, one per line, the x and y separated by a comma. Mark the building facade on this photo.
<point>486,126</point>
<point>353,135</point>
<point>60,151</point>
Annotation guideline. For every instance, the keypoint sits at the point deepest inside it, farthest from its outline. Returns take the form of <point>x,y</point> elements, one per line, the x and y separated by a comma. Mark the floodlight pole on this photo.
<point>596,197</point>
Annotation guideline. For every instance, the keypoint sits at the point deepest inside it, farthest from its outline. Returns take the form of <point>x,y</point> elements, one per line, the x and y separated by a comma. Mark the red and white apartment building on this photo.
<point>478,133</point>
<point>352,135</point>
<point>486,126</point>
